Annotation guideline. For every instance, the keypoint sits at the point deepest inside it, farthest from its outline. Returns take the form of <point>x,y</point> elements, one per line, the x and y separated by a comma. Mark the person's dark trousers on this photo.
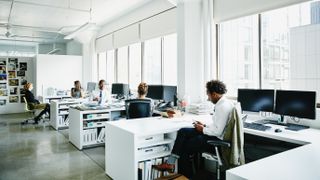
<point>189,142</point>
<point>45,110</point>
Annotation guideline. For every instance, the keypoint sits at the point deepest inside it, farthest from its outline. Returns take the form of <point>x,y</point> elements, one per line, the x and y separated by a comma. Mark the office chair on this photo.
<point>138,108</point>
<point>29,111</point>
<point>228,152</point>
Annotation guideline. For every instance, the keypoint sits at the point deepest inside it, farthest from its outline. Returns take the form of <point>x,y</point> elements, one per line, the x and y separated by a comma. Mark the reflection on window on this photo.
<point>134,65</point>
<point>110,67</point>
<point>170,60</point>
<point>122,65</point>
<point>239,62</point>
<point>152,61</point>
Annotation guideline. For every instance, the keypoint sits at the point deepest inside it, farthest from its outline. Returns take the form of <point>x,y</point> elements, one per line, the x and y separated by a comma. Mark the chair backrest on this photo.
<point>138,108</point>
<point>234,134</point>
<point>26,105</point>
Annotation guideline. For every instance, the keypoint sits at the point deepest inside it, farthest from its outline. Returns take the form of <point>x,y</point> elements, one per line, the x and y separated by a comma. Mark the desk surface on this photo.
<point>299,163</point>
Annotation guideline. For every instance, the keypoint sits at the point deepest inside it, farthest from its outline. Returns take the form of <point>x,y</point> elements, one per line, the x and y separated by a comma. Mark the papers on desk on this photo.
<point>200,109</point>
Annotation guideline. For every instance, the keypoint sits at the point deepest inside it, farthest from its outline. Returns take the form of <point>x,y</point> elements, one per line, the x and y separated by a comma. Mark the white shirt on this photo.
<point>220,118</point>
<point>105,96</point>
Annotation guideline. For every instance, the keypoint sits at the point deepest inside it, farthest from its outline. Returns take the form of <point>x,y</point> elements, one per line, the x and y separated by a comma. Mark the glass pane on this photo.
<point>170,60</point>
<point>102,66</point>
<point>110,67</point>
<point>290,37</point>
<point>135,66</point>
<point>238,54</point>
<point>122,68</point>
<point>152,61</point>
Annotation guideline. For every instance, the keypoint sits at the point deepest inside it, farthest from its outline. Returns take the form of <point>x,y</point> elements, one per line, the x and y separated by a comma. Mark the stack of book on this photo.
<point>200,109</point>
<point>146,172</point>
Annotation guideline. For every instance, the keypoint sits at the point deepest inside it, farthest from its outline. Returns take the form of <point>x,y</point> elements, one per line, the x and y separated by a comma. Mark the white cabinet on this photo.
<point>87,127</point>
<point>130,142</point>
<point>59,113</point>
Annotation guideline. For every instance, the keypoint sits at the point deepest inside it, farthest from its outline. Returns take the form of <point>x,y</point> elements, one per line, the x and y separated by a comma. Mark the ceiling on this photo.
<point>51,20</point>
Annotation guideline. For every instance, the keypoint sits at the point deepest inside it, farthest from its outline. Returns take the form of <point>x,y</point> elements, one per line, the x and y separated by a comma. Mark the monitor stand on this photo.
<point>282,120</point>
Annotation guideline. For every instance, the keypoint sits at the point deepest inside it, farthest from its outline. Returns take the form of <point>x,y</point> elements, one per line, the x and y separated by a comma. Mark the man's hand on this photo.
<point>199,126</point>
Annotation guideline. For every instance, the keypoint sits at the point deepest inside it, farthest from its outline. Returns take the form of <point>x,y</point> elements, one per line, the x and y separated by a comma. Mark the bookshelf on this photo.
<point>59,112</point>
<point>87,127</point>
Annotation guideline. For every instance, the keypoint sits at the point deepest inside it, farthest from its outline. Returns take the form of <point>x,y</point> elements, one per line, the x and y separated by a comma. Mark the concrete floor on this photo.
<point>39,152</point>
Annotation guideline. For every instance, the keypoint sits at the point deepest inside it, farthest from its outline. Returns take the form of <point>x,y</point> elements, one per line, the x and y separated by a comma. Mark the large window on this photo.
<point>122,65</point>
<point>110,67</point>
<point>102,66</point>
<point>238,57</point>
<point>152,61</point>
<point>170,60</point>
<point>134,65</point>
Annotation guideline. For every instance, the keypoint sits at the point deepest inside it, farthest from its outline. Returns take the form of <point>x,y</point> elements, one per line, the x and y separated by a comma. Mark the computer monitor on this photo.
<point>300,104</point>
<point>91,86</point>
<point>155,92</point>
<point>120,89</point>
<point>256,100</point>
<point>162,92</point>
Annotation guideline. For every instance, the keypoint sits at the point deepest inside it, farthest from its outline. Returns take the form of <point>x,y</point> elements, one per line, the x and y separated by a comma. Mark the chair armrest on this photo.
<point>219,143</point>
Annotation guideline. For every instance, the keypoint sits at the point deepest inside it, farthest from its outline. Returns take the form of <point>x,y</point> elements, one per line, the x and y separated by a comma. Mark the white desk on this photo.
<point>295,164</point>
<point>124,138</point>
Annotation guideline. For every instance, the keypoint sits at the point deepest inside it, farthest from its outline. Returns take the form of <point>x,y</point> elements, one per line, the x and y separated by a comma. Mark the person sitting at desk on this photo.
<point>190,141</point>
<point>34,103</point>
<point>102,95</point>
<point>77,91</point>
<point>142,93</point>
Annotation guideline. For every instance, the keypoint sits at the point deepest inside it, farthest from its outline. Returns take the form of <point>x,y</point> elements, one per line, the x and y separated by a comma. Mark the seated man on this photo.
<point>190,141</point>
<point>34,103</point>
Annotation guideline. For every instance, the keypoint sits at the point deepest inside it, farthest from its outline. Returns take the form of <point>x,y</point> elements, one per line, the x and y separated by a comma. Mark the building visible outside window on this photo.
<point>152,61</point>
<point>238,54</point>
<point>122,65</point>
<point>102,65</point>
<point>134,65</point>
<point>110,67</point>
<point>170,60</point>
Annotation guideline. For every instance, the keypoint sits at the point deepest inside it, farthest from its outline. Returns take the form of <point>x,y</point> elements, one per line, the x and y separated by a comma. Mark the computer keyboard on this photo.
<point>256,126</point>
<point>295,127</point>
<point>288,126</point>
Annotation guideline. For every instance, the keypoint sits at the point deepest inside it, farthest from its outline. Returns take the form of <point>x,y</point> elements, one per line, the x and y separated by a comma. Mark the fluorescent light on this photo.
<point>78,30</point>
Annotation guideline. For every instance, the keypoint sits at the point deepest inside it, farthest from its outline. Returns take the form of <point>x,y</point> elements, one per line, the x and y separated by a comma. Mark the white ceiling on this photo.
<point>53,18</point>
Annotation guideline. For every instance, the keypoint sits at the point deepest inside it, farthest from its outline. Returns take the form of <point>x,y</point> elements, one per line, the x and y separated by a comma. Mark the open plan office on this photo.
<point>160,89</point>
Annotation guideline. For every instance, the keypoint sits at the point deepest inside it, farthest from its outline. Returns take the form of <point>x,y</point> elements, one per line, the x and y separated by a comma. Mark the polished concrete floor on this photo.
<point>39,152</point>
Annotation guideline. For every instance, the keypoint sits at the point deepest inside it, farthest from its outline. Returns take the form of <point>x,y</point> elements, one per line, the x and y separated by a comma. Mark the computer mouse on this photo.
<point>277,130</point>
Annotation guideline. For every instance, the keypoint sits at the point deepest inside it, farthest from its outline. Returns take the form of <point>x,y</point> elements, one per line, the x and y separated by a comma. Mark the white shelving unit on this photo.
<point>135,141</point>
<point>86,126</point>
<point>59,113</point>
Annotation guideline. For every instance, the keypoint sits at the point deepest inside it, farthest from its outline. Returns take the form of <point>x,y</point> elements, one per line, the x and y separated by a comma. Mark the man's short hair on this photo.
<point>216,86</point>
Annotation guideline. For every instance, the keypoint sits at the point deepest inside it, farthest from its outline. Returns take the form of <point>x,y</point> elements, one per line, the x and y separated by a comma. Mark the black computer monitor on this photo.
<point>300,104</point>
<point>120,89</point>
<point>256,100</point>
<point>155,92</point>
<point>162,92</point>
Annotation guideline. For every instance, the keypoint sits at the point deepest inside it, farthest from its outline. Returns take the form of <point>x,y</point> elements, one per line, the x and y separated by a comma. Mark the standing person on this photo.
<point>102,95</point>
<point>77,91</point>
<point>190,141</point>
<point>34,103</point>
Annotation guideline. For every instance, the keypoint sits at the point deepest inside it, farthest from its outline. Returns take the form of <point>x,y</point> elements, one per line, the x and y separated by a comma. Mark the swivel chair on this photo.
<point>138,108</point>
<point>228,152</point>
<point>29,111</point>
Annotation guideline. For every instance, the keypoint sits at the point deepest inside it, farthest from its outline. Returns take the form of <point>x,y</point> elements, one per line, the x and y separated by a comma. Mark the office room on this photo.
<point>159,89</point>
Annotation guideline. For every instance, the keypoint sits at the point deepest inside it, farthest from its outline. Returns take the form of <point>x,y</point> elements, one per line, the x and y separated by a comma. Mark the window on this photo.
<point>102,66</point>
<point>239,57</point>
<point>122,65</point>
<point>110,67</point>
<point>134,65</point>
<point>170,60</point>
<point>152,61</point>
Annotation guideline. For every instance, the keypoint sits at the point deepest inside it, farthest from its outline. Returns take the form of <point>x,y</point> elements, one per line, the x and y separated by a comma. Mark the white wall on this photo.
<point>74,48</point>
<point>57,71</point>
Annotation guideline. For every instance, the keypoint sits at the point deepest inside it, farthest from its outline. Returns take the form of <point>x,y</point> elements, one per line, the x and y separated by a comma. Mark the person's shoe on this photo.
<point>164,167</point>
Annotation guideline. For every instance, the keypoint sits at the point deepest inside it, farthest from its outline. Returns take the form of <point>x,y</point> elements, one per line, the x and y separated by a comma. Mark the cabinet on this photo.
<point>59,113</point>
<point>130,142</point>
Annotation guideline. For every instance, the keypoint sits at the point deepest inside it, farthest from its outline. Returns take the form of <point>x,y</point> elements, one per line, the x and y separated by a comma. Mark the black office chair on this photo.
<point>138,108</point>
